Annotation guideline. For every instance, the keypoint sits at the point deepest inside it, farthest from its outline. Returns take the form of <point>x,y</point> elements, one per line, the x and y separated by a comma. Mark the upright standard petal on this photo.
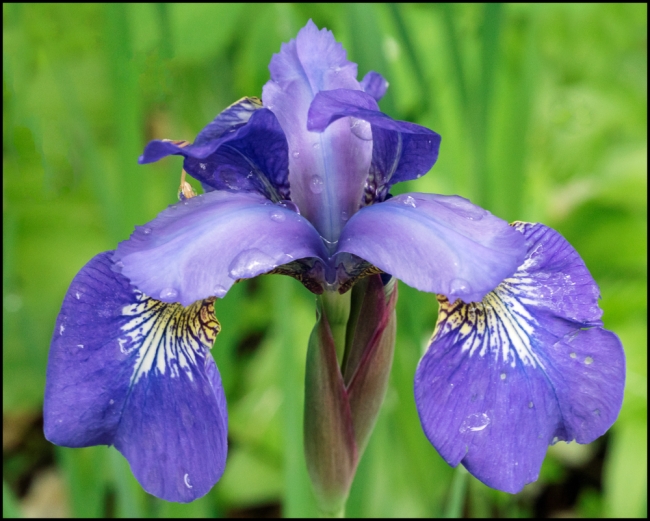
<point>528,366</point>
<point>328,170</point>
<point>198,248</point>
<point>436,243</point>
<point>243,149</point>
<point>130,371</point>
<point>401,151</point>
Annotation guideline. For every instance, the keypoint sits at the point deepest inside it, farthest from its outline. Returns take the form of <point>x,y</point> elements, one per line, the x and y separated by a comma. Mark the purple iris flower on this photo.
<point>299,184</point>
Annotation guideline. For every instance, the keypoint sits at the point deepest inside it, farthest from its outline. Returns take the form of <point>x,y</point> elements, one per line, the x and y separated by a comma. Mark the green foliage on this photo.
<point>543,113</point>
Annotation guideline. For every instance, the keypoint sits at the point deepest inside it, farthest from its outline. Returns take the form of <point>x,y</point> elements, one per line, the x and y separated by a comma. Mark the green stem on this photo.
<point>456,500</point>
<point>339,513</point>
<point>337,310</point>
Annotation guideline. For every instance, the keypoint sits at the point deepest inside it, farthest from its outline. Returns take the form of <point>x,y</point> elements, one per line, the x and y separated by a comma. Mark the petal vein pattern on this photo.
<point>493,326</point>
<point>167,336</point>
<point>526,367</point>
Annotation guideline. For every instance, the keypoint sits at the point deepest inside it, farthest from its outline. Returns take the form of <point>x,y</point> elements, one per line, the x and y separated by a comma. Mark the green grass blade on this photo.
<point>456,501</point>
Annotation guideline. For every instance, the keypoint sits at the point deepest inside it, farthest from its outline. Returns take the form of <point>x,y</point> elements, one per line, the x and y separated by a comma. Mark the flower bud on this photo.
<point>341,405</point>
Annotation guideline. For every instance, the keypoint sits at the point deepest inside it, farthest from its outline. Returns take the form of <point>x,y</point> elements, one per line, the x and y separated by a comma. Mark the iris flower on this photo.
<point>299,184</point>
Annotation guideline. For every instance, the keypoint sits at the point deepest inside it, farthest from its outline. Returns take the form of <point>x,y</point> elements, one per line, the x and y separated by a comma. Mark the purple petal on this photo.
<point>436,243</point>
<point>254,158</point>
<point>228,120</point>
<point>243,149</point>
<point>328,170</point>
<point>199,248</point>
<point>528,366</point>
<point>129,371</point>
<point>401,150</point>
<point>374,84</point>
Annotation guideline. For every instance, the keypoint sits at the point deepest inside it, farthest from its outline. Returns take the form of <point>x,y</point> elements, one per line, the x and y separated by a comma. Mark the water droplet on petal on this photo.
<point>573,355</point>
<point>345,216</point>
<point>530,405</point>
<point>361,129</point>
<point>502,376</point>
<point>250,263</point>
<point>296,154</point>
<point>146,231</point>
<point>459,287</point>
<point>597,412</point>
<point>168,294</point>
<point>589,360</point>
<point>316,184</point>
<point>555,440</point>
<point>202,166</point>
<point>316,145</point>
<point>119,264</point>
<point>278,216</point>
<point>463,207</point>
<point>409,201</point>
<point>475,422</point>
<point>111,402</point>
<point>219,291</point>
<point>186,479</point>
<point>290,205</point>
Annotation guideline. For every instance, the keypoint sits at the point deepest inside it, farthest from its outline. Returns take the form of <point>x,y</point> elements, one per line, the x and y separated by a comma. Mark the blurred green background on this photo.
<point>543,113</point>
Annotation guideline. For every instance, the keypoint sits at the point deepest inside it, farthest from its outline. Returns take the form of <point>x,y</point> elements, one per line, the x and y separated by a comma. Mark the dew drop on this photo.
<point>202,166</point>
<point>186,479</point>
<point>502,376</point>
<point>361,129</point>
<point>573,355</point>
<point>597,412</point>
<point>250,263</point>
<point>168,294</point>
<point>278,216</point>
<point>111,402</point>
<point>80,346</point>
<point>61,329</point>
<point>316,145</point>
<point>290,205</point>
<point>119,264</point>
<point>463,207</point>
<point>146,231</point>
<point>77,295</point>
<point>458,286</point>
<point>296,154</point>
<point>530,405</point>
<point>409,201</point>
<point>589,360</point>
<point>219,291</point>
<point>475,422</point>
<point>555,440</point>
<point>316,184</point>
<point>345,216</point>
